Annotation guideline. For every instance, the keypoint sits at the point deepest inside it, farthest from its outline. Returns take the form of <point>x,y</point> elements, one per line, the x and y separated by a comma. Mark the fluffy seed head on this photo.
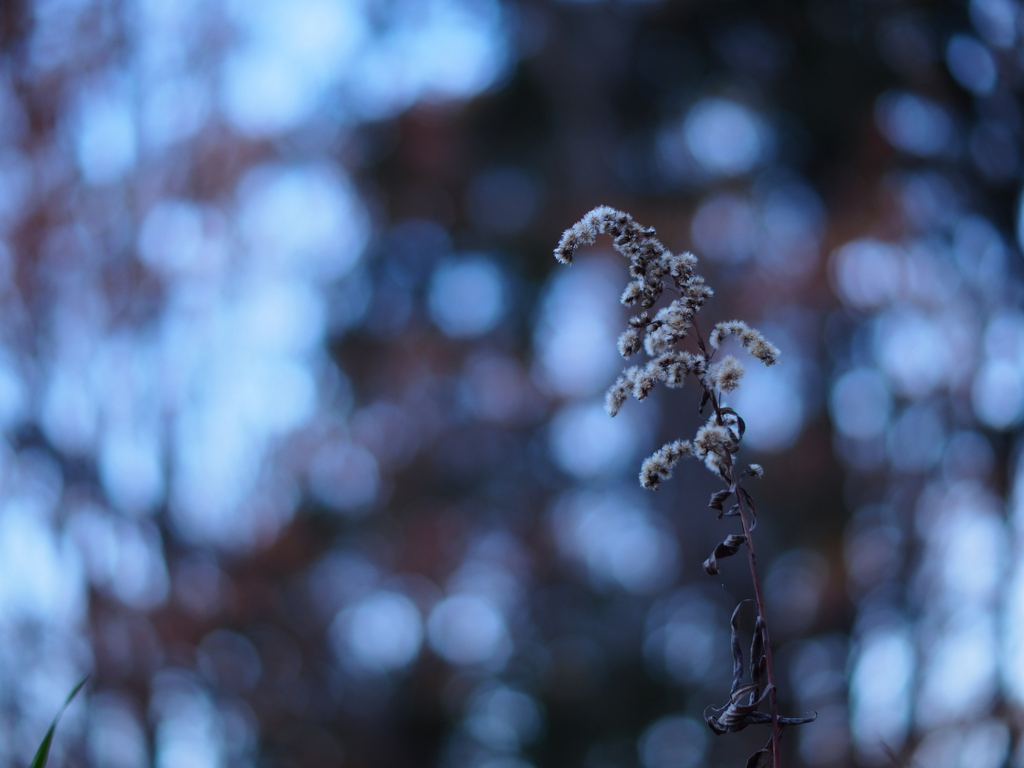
<point>616,395</point>
<point>629,342</point>
<point>658,466</point>
<point>643,382</point>
<point>726,374</point>
<point>652,267</point>
<point>751,340</point>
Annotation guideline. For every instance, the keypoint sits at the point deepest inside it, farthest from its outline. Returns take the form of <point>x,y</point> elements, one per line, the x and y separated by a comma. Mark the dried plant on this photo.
<point>652,267</point>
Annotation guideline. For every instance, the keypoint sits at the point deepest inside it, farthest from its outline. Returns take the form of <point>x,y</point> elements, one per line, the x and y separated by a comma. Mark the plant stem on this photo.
<point>759,600</point>
<point>746,517</point>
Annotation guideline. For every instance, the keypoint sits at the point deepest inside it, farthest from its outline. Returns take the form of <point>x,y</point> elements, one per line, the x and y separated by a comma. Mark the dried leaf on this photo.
<point>728,547</point>
<point>763,718</point>
<point>796,720</point>
<point>744,699</point>
<point>757,657</point>
<point>760,759</point>
<point>742,425</point>
<point>749,501</point>
<point>737,649</point>
<point>735,716</point>
<point>703,401</point>
<point>717,498</point>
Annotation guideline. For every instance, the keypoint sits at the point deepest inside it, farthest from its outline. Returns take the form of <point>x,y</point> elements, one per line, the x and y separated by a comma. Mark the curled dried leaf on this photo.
<point>737,649</point>
<point>796,720</point>
<point>739,421</point>
<point>736,715</point>
<point>717,498</point>
<point>764,718</point>
<point>758,662</point>
<point>729,546</point>
<point>745,698</point>
<point>744,494</point>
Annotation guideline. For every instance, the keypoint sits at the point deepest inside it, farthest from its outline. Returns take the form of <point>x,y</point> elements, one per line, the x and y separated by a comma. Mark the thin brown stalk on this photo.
<point>745,519</point>
<point>745,516</point>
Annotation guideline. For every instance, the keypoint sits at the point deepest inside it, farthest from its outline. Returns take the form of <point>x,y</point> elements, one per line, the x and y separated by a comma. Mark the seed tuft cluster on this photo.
<point>652,268</point>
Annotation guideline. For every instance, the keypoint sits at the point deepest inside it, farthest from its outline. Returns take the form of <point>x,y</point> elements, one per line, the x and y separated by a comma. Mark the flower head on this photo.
<point>726,375</point>
<point>652,268</point>
<point>750,339</point>
<point>658,466</point>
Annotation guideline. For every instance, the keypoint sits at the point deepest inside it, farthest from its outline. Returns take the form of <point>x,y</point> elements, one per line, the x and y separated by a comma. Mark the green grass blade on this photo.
<point>44,749</point>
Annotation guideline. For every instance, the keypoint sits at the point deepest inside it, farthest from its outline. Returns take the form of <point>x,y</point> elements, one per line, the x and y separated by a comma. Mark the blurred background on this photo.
<point>304,459</point>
